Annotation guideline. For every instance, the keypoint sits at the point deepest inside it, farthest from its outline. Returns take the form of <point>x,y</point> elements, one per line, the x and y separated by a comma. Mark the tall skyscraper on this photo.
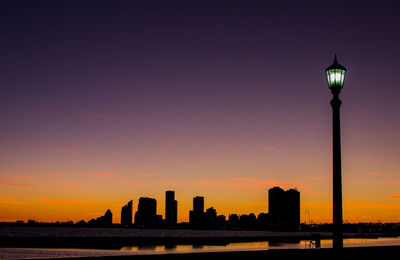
<point>293,208</point>
<point>108,218</point>
<point>126,214</point>
<point>284,208</point>
<point>276,198</point>
<point>198,204</point>
<point>196,216</point>
<point>210,217</point>
<point>171,208</point>
<point>146,216</point>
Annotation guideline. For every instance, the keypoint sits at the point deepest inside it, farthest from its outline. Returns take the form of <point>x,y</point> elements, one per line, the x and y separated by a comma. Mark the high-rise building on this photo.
<point>126,214</point>
<point>293,208</point>
<point>146,215</point>
<point>171,208</point>
<point>210,217</point>
<point>196,216</point>
<point>108,218</point>
<point>276,199</point>
<point>233,220</point>
<point>198,204</point>
<point>284,208</point>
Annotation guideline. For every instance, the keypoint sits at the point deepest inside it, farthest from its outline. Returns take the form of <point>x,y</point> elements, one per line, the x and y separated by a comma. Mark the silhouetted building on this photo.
<point>293,208</point>
<point>248,221</point>
<point>276,198</point>
<point>284,208</point>
<point>103,221</point>
<point>264,220</point>
<point>126,214</point>
<point>221,221</point>
<point>171,209</point>
<point>146,215</point>
<point>198,204</point>
<point>210,217</point>
<point>233,221</point>
<point>196,216</point>
<point>108,217</point>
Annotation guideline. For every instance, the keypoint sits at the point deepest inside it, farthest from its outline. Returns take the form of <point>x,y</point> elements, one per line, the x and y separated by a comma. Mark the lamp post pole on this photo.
<point>335,74</point>
<point>337,172</point>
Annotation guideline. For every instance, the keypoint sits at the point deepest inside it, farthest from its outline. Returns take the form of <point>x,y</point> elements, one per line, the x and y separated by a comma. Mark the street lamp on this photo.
<point>335,74</point>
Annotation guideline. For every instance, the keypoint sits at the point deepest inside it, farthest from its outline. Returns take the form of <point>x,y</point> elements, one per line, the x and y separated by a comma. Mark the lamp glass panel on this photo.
<point>342,81</point>
<point>331,78</point>
<point>328,77</point>
<point>337,77</point>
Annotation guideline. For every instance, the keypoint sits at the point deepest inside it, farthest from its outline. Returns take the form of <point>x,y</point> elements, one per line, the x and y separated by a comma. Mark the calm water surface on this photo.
<point>32,253</point>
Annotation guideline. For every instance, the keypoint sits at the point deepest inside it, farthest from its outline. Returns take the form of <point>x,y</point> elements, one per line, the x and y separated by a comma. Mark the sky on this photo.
<point>106,101</point>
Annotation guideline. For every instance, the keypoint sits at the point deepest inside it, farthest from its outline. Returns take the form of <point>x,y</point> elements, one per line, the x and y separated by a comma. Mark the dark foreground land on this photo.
<point>355,253</point>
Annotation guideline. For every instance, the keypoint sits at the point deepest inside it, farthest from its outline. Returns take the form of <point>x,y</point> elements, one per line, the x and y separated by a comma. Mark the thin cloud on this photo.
<point>55,173</point>
<point>214,184</point>
<point>316,204</point>
<point>375,174</point>
<point>242,179</point>
<point>395,196</point>
<point>101,175</point>
<point>63,184</point>
<point>370,205</point>
<point>253,203</point>
<point>174,183</point>
<point>64,201</point>
<point>12,176</point>
<point>14,202</point>
<point>268,147</point>
<point>133,183</point>
<point>147,175</point>
<point>250,184</point>
<point>262,183</point>
<point>15,184</point>
<point>309,190</point>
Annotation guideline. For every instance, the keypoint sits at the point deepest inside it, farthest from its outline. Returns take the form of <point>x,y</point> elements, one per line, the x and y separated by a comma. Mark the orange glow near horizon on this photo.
<point>76,196</point>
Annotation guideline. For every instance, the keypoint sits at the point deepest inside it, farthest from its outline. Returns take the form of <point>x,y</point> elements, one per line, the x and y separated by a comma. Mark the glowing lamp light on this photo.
<point>335,74</point>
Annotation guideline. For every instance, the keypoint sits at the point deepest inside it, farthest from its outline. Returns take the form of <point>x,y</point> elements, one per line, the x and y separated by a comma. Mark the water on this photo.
<point>7,231</point>
<point>35,253</point>
<point>246,246</point>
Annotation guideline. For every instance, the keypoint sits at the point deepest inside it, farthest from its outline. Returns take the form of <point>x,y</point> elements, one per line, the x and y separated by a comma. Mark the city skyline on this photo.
<point>283,214</point>
<point>110,102</point>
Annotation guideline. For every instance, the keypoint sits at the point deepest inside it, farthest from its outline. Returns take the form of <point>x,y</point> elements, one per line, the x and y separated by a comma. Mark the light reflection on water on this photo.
<point>245,246</point>
<point>30,253</point>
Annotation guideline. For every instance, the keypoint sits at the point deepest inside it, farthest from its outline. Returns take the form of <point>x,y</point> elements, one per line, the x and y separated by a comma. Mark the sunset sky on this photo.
<point>106,101</point>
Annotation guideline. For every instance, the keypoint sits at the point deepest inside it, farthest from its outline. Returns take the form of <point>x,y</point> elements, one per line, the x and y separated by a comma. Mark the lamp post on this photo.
<point>335,74</point>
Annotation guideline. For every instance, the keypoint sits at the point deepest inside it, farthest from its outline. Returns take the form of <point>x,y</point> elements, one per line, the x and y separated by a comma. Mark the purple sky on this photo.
<point>171,87</point>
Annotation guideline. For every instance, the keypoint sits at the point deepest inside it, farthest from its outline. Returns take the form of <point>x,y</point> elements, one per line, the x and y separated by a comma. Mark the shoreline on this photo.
<point>93,238</point>
<point>353,253</point>
<point>119,242</point>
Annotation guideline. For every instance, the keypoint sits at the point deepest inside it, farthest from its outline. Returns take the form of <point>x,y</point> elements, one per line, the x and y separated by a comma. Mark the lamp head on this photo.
<point>335,74</point>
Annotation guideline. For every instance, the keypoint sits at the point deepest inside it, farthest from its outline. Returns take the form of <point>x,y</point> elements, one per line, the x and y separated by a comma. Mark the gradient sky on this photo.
<point>106,101</point>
